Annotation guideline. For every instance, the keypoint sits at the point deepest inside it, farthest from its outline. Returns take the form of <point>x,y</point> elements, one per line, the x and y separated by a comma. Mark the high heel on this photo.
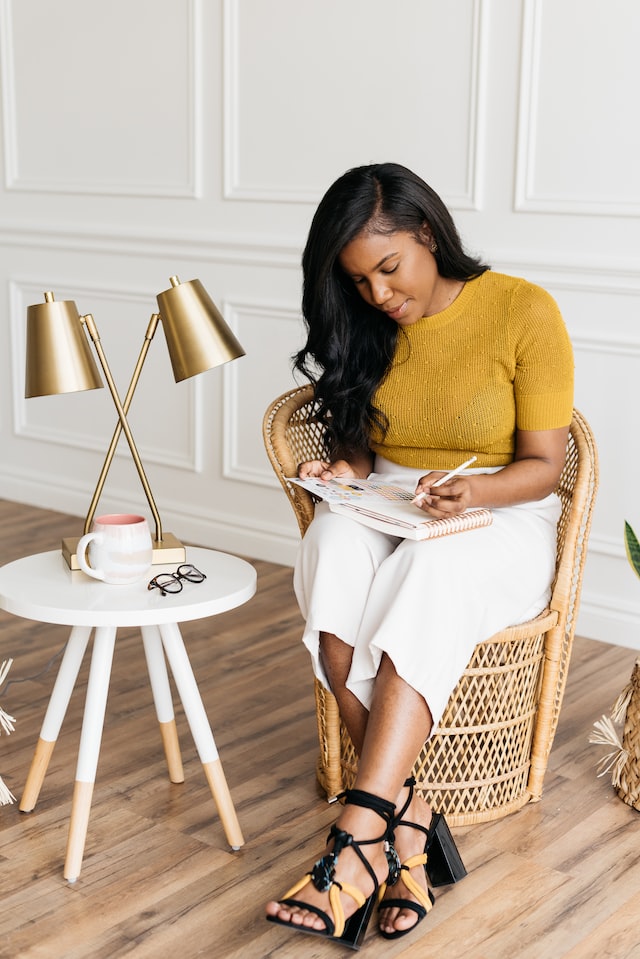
<point>441,861</point>
<point>444,864</point>
<point>350,932</point>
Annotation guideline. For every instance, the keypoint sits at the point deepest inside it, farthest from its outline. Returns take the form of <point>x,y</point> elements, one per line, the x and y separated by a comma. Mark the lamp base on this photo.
<point>170,550</point>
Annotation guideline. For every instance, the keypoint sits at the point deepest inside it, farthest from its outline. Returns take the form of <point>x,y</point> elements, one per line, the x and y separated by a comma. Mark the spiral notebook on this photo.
<point>388,508</point>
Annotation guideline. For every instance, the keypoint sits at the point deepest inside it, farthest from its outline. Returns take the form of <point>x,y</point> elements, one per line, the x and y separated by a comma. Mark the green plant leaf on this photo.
<point>632,547</point>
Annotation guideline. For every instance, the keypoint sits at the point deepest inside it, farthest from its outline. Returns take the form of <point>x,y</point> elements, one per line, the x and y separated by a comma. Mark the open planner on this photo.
<point>388,508</point>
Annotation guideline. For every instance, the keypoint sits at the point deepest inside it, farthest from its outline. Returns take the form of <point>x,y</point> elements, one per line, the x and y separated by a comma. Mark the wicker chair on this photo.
<point>489,755</point>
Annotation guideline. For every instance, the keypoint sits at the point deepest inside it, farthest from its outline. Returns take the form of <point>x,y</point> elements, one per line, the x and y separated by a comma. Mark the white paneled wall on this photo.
<point>146,138</point>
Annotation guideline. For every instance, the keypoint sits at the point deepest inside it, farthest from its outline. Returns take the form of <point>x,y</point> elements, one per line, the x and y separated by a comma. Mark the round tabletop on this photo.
<point>43,588</point>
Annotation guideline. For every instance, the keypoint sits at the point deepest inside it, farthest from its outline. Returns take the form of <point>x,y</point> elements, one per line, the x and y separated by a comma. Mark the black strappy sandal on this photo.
<point>349,932</point>
<point>441,860</point>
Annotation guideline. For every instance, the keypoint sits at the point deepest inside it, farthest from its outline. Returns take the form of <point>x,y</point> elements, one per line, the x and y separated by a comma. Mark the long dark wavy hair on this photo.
<point>350,344</point>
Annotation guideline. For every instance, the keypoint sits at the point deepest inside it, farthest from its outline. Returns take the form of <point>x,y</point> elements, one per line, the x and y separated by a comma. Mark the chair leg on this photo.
<point>159,679</point>
<point>56,711</point>
<point>201,731</point>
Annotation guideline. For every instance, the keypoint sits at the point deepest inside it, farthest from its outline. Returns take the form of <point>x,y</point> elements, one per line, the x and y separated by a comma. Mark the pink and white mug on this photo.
<point>118,549</point>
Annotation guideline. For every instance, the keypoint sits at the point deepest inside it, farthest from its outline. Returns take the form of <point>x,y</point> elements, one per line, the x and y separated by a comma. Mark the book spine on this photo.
<point>457,524</point>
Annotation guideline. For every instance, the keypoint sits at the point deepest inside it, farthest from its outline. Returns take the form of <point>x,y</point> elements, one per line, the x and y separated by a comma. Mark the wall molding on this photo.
<point>604,622</point>
<point>234,190</point>
<point>471,199</point>
<point>623,610</point>
<point>611,275</point>
<point>237,533</point>
<point>191,188</point>
<point>234,311</point>
<point>615,347</point>
<point>526,198</point>
<point>247,250</point>
<point>610,546</point>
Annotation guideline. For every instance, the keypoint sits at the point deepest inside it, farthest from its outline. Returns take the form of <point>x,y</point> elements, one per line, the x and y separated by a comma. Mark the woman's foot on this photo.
<point>409,842</point>
<point>316,906</point>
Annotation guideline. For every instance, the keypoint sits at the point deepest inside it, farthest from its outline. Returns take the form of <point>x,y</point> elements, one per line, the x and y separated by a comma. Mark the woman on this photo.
<point>421,357</point>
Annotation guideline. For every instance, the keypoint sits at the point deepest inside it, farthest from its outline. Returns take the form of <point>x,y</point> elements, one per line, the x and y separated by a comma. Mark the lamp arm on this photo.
<point>126,403</point>
<point>92,329</point>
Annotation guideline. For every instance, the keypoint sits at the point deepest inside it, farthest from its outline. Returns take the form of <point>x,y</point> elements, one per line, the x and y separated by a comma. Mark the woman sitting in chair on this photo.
<point>421,357</point>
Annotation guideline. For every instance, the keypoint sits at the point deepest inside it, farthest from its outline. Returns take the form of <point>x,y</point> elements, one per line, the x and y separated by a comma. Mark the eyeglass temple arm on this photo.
<point>126,403</point>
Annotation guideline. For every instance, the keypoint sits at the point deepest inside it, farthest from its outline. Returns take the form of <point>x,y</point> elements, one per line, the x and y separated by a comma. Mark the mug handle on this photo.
<point>81,554</point>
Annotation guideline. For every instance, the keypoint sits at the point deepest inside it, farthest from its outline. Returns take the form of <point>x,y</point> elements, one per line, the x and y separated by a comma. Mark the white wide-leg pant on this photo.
<point>426,604</point>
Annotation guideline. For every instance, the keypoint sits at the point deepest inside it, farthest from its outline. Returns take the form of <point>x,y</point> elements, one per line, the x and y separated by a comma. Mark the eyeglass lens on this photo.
<point>187,571</point>
<point>172,582</point>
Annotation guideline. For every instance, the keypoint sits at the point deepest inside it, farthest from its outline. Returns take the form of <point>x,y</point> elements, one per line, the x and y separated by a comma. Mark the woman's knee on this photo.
<point>339,540</point>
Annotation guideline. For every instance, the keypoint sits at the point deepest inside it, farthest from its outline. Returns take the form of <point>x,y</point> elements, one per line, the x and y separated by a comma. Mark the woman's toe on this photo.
<point>397,920</point>
<point>294,915</point>
<point>388,918</point>
<point>405,919</point>
<point>273,908</point>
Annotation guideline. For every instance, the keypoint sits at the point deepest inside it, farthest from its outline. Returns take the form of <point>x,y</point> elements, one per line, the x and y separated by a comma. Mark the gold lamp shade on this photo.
<point>197,336</point>
<point>59,359</point>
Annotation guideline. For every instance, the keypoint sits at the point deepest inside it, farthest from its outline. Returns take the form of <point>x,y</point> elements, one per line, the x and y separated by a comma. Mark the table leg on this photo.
<point>201,731</point>
<point>159,679</point>
<point>92,725</point>
<point>54,716</point>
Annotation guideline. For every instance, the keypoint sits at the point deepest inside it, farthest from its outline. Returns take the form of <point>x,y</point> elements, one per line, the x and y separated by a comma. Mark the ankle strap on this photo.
<point>358,797</point>
<point>410,783</point>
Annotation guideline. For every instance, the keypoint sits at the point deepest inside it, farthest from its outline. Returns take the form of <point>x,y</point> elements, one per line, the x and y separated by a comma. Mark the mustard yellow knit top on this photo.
<point>462,380</point>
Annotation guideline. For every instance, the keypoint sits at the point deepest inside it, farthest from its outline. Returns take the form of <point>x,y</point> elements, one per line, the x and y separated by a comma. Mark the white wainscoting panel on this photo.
<point>580,77</point>
<point>308,100</point>
<point>120,117</point>
<point>258,379</point>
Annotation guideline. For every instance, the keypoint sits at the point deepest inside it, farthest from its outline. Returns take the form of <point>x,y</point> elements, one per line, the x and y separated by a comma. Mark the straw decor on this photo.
<point>6,724</point>
<point>623,759</point>
<point>489,754</point>
<point>629,787</point>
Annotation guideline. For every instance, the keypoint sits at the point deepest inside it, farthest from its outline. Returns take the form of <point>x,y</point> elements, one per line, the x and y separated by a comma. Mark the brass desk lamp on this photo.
<point>59,360</point>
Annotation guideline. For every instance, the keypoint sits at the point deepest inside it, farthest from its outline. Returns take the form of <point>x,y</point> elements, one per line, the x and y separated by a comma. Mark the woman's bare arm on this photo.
<point>534,473</point>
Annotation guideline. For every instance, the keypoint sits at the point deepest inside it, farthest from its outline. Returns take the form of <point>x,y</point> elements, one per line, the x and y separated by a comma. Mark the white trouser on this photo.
<point>426,604</point>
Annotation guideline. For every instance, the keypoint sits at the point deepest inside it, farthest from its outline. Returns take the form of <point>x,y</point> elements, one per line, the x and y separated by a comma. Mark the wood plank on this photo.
<point>560,878</point>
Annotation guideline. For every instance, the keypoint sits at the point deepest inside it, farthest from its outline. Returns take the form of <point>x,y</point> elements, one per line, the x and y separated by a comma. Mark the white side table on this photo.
<point>42,588</point>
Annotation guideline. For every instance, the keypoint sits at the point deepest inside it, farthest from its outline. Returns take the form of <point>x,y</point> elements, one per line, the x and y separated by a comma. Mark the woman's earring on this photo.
<point>434,246</point>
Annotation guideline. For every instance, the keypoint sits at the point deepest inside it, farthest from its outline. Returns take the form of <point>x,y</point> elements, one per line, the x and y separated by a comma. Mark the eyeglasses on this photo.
<point>172,582</point>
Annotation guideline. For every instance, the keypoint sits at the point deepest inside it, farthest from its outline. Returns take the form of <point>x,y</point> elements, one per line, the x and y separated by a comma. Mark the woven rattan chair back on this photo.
<point>489,755</point>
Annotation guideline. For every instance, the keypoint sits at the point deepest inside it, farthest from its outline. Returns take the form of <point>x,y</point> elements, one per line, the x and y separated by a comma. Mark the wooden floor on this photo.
<point>559,879</point>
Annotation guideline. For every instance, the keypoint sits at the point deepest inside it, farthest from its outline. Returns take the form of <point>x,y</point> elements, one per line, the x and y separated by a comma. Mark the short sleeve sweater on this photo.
<point>462,381</point>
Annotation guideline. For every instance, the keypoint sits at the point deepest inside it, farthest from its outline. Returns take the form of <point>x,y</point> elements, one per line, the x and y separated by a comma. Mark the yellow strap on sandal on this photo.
<point>354,892</point>
<point>296,889</point>
<point>417,891</point>
<point>335,901</point>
